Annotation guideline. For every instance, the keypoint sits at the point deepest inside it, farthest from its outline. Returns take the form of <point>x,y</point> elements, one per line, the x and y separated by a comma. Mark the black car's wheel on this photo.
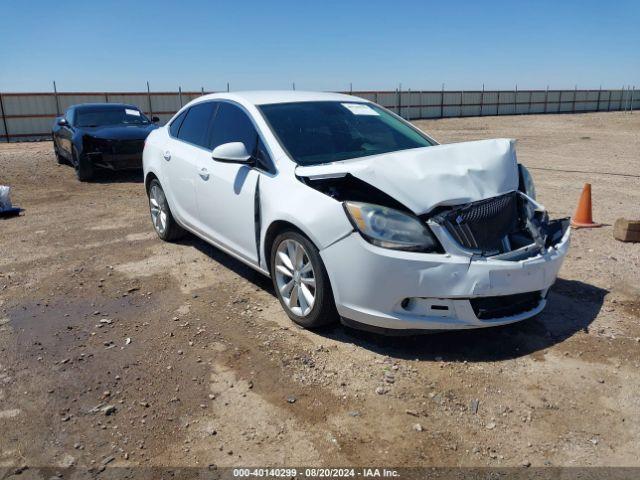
<point>84,168</point>
<point>163,222</point>
<point>59,158</point>
<point>301,281</point>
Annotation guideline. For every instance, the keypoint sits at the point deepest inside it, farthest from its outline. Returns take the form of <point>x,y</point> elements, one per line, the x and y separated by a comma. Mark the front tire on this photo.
<point>59,158</point>
<point>163,222</point>
<point>301,281</point>
<point>84,168</point>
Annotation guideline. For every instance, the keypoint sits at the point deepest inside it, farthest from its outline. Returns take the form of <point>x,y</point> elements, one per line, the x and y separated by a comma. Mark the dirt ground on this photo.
<point>119,349</point>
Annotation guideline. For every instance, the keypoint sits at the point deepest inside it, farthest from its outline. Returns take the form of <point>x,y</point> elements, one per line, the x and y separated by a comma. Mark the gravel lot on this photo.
<point>119,349</point>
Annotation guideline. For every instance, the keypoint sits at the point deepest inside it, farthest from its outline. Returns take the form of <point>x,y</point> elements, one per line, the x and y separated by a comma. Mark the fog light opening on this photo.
<point>406,304</point>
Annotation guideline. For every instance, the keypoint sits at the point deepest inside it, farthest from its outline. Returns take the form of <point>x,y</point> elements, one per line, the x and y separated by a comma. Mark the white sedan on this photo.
<point>354,213</point>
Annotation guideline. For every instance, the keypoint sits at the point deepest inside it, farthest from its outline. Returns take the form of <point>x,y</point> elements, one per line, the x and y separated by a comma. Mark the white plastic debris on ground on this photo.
<point>5,198</point>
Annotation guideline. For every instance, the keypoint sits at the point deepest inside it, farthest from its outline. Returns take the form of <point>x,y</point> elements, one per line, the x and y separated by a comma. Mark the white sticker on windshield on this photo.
<point>135,113</point>
<point>359,109</point>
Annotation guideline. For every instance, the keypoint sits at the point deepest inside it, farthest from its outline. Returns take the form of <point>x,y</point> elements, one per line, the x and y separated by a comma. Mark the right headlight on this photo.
<point>389,228</point>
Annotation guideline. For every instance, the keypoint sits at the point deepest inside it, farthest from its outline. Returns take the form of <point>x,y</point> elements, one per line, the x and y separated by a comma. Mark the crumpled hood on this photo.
<point>424,178</point>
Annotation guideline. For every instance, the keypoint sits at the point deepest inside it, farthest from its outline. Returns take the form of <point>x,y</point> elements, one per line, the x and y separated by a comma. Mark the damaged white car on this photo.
<point>354,213</point>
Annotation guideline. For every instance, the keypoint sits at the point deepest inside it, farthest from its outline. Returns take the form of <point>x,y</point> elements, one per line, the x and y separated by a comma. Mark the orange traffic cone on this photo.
<point>582,217</point>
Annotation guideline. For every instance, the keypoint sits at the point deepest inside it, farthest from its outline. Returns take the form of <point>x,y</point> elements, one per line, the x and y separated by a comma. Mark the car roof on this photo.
<point>264,97</point>
<point>93,105</point>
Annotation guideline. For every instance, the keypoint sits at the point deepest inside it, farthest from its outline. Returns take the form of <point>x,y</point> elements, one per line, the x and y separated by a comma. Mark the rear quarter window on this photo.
<point>174,128</point>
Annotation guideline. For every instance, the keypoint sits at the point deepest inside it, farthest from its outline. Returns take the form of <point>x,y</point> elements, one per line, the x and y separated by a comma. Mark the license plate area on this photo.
<point>529,278</point>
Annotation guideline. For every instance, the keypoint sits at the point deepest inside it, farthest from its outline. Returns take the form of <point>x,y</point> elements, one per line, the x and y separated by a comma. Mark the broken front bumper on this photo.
<point>117,161</point>
<point>392,289</point>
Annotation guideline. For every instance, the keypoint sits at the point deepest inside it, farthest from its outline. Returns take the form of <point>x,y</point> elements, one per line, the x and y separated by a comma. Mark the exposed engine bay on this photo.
<point>512,226</point>
<point>509,227</point>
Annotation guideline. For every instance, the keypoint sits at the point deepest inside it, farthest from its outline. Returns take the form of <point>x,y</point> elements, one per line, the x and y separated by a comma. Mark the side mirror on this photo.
<point>63,122</point>
<point>155,119</point>
<point>233,152</point>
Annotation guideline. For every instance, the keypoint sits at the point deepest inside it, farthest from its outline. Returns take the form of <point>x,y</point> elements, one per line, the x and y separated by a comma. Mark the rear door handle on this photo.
<point>204,174</point>
<point>167,155</point>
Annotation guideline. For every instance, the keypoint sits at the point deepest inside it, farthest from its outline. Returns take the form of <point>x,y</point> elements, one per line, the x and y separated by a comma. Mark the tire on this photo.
<point>161,217</point>
<point>84,168</point>
<point>289,283</point>
<point>59,158</point>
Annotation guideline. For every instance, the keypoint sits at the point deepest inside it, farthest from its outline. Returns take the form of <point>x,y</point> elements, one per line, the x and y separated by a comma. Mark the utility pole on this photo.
<point>4,120</point>
<point>55,94</point>
<point>546,99</point>
<point>149,99</point>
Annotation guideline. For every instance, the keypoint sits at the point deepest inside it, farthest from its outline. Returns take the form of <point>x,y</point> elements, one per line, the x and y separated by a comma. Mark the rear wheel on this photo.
<point>84,168</point>
<point>163,222</point>
<point>301,281</point>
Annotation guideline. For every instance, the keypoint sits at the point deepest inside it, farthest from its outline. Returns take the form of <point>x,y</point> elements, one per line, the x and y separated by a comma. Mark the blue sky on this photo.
<point>318,44</point>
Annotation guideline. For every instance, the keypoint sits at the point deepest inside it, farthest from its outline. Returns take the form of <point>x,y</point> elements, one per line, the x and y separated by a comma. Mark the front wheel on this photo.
<point>59,158</point>
<point>301,281</point>
<point>84,168</point>
<point>163,222</point>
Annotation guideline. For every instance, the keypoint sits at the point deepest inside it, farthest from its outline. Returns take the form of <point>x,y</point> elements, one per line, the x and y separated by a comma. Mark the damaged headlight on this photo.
<point>389,228</point>
<point>526,185</point>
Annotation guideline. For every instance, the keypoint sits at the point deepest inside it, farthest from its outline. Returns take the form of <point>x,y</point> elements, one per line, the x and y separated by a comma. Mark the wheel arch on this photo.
<point>275,228</point>
<point>148,179</point>
<point>77,142</point>
<point>328,312</point>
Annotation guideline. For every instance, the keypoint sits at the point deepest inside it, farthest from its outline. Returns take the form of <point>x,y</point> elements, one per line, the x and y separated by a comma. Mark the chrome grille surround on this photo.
<point>484,225</point>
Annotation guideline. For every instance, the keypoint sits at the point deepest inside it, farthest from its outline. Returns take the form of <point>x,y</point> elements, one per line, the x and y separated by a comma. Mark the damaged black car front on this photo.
<point>102,136</point>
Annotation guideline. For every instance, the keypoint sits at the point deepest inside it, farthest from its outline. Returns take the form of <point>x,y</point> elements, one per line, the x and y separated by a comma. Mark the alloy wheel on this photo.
<point>295,277</point>
<point>159,209</point>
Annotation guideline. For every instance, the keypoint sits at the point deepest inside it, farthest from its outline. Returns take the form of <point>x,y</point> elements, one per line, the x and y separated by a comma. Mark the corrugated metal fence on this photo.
<point>29,116</point>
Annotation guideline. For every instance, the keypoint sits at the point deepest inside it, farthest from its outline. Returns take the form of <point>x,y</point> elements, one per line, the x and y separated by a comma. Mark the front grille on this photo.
<point>127,147</point>
<point>483,225</point>
<point>489,308</point>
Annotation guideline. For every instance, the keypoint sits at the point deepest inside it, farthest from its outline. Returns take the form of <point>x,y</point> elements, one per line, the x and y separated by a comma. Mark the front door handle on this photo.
<point>167,155</point>
<point>204,174</point>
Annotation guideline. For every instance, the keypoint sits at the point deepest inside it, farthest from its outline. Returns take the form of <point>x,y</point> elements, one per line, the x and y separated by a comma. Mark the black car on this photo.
<point>101,135</point>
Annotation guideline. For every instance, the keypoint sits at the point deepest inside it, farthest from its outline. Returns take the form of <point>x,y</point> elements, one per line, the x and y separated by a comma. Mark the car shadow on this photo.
<point>572,307</point>
<point>229,262</point>
<point>115,176</point>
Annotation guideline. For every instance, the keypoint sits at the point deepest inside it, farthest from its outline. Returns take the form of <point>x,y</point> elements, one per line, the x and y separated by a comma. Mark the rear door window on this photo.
<point>195,126</point>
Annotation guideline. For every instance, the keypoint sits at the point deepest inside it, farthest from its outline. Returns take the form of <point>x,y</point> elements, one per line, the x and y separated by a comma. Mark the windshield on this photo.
<point>109,115</point>
<point>325,132</point>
